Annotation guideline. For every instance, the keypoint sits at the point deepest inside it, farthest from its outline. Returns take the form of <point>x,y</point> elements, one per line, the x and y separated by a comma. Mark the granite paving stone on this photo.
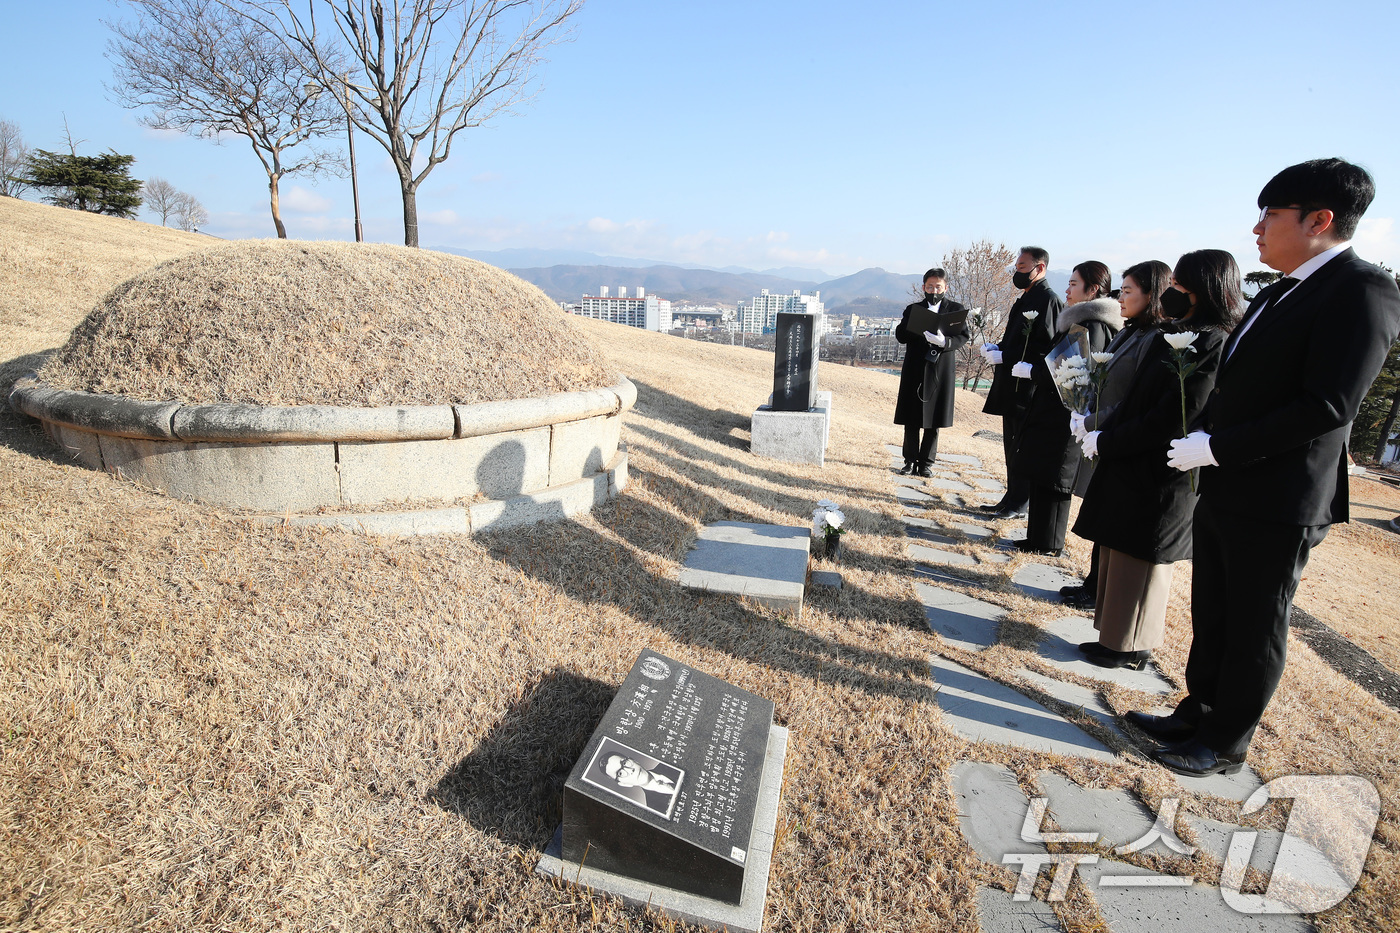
<point>987,483</point>
<point>933,555</point>
<point>975,532</point>
<point>1082,697</point>
<point>1042,581</point>
<point>993,557</point>
<point>913,482</point>
<point>961,620</point>
<point>923,534</point>
<point>997,912</point>
<point>1060,647</point>
<point>947,485</point>
<point>1171,908</point>
<point>980,709</point>
<point>965,459</point>
<point>991,809</point>
<point>905,494</point>
<point>932,574</point>
<point>1236,787</point>
<point>1117,815</point>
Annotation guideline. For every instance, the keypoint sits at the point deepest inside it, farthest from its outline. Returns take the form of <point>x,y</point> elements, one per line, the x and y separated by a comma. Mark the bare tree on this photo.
<point>161,198</point>
<point>428,69</point>
<point>14,158</point>
<point>980,277</point>
<point>199,67</point>
<point>189,213</point>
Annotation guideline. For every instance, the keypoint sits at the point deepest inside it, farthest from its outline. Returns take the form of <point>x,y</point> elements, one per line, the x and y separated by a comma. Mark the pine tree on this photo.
<point>101,184</point>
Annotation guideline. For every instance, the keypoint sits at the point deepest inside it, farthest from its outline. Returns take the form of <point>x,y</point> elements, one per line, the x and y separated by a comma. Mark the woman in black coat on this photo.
<point>1137,508</point>
<point>928,377</point>
<point>1047,455</point>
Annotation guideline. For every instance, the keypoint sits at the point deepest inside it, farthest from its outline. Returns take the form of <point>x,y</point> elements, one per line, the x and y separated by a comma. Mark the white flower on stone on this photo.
<point>1101,358</point>
<point>1181,341</point>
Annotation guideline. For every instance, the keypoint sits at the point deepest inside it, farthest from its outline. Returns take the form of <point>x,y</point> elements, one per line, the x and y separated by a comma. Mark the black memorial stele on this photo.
<point>666,789</point>
<point>795,362</point>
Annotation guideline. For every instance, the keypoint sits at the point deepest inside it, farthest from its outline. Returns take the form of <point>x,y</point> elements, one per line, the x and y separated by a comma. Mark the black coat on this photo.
<point>926,388</point>
<point>1006,397</point>
<point>1047,454</point>
<point>1136,503</point>
<point>1284,400</point>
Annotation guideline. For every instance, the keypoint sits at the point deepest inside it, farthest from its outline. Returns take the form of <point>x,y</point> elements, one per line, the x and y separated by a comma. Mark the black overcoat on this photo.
<point>1047,454</point>
<point>1009,395</point>
<point>926,389</point>
<point>1136,503</point>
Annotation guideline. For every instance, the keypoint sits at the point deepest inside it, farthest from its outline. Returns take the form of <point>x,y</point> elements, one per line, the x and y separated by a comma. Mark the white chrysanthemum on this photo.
<point>1181,341</point>
<point>1101,358</point>
<point>834,518</point>
<point>1031,316</point>
<point>827,504</point>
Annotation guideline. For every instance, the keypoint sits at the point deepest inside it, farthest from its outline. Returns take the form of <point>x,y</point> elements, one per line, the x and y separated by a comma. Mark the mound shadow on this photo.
<point>512,783</point>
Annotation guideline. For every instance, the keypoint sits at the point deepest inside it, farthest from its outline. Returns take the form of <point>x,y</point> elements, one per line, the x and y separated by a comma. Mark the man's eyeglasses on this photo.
<point>1264,213</point>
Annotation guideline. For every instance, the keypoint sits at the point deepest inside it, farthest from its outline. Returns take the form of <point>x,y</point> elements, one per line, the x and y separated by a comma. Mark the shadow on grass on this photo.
<point>713,423</point>
<point>20,432</point>
<point>512,784</point>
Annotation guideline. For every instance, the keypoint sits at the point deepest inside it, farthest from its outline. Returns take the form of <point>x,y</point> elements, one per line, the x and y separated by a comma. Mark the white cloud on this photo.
<point>298,200</point>
<point>603,225</point>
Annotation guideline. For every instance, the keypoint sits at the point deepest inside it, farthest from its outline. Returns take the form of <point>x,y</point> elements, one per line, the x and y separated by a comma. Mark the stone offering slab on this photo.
<point>982,710</point>
<point>963,622</point>
<point>767,563</point>
<point>667,788</point>
<point>1042,581</point>
<point>1060,646</point>
<point>933,555</point>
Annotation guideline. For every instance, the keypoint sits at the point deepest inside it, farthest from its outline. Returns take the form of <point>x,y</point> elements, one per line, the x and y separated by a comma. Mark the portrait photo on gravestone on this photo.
<point>646,781</point>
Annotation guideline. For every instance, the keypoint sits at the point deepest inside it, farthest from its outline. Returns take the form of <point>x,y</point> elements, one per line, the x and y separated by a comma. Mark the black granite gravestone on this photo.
<point>795,362</point>
<point>666,789</point>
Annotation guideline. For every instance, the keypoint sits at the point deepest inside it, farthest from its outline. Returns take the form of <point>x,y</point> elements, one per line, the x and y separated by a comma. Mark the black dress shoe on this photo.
<point>1163,728</point>
<point>994,507</point>
<point>923,470</point>
<point>1010,513</point>
<point>1078,597</point>
<point>907,468</point>
<point>1196,760</point>
<point>1090,647</point>
<point>1135,660</point>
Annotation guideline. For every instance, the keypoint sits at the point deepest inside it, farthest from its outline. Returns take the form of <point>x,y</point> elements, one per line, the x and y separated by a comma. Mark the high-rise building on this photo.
<point>760,314</point>
<point>645,311</point>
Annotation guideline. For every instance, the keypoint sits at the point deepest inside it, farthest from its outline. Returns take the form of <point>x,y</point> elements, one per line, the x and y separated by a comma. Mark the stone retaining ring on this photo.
<point>532,459</point>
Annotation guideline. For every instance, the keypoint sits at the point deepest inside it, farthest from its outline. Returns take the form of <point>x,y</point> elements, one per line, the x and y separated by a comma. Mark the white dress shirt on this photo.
<point>1300,273</point>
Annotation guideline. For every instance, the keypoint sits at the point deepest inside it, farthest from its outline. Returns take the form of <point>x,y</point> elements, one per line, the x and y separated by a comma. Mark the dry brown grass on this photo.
<point>287,322</point>
<point>210,725</point>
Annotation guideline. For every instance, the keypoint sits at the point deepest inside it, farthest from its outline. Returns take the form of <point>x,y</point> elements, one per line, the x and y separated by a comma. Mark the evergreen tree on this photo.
<point>101,183</point>
<point>1376,418</point>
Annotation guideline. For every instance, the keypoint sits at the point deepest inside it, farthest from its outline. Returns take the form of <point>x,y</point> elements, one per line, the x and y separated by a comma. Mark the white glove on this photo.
<point>1191,451</point>
<point>993,357</point>
<point>989,347</point>
<point>1090,442</point>
<point>938,340</point>
<point>1021,370</point>
<point>1076,425</point>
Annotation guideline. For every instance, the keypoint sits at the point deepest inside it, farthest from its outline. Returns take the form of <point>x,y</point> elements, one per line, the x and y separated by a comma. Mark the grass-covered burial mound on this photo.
<point>276,322</point>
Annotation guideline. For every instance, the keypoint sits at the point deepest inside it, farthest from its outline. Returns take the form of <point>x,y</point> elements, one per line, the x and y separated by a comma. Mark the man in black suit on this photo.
<point>928,379</point>
<point>1009,396</point>
<point>1273,447</point>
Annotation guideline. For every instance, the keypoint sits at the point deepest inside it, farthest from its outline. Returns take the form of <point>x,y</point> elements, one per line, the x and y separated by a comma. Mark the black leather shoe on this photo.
<point>1090,647</point>
<point>1136,660</point>
<point>923,470</point>
<point>1078,597</point>
<point>907,468</point>
<point>1163,728</point>
<point>1010,513</point>
<point>1195,760</point>
<point>994,507</point>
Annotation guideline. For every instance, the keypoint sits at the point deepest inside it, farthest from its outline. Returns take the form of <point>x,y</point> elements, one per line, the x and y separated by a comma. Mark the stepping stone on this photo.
<point>1082,697</point>
<point>980,709</point>
<point>997,912</point>
<point>827,578</point>
<point>905,494</point>
<point>1060,647</point>
<point>932,555</point>
<point>1042,581</point>
<point>943,474</point>
<point>895,451</point>
<point>766,563</point>
<point>936,576</point>
<point>993,557</point>
<point>991,809</point>
<point>987,483</point>
<point>959,458</point>
<point>923,534</point>
<point>947,485</point>
<point>1116,815</point>
<point>1172,908</point>
<point>975,532</point>
<point>989,435</point>
<point>962,621</point>
<point>913,482</point>
<point>1214,837</point>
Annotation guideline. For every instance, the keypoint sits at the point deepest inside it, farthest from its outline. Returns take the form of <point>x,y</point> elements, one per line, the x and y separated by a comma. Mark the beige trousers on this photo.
<point>1132,602</point>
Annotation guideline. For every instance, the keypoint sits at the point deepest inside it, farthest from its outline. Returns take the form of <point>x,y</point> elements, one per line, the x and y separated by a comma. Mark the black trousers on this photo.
<point>1245,574</point>
<point>1018,491</point>
<point>1047,518</point>
<point>914,450</point>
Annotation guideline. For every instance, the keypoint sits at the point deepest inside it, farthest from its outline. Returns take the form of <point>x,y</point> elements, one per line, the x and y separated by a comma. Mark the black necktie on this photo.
<point>1282,287</point>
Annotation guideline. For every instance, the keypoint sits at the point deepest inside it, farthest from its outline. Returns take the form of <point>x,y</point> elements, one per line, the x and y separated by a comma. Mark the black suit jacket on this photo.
<point>926,387</point>
<point>1009,395</point>
<point>1283,401</point>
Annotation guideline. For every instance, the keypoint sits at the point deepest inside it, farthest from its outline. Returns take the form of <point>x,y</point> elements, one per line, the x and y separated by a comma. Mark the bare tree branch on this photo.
<point>161,198</point>
<point>980,277</point>
<point>14,158</point>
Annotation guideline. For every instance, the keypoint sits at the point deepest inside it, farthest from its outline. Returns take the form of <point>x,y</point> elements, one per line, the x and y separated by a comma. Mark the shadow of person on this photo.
<point>511,785</point>
<point>715,424</point>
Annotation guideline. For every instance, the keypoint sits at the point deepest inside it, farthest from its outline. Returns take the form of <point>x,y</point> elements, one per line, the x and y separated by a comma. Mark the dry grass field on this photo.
<point>207,725</point>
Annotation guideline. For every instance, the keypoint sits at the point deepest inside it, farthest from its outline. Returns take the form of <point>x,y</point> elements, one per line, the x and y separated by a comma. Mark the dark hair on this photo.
<point>1212,276</point>
<point>1153,277</point>
<point>1340,187</point>
<point>1095,275</point>
<point>1038,254</point>
<point>935,273</point>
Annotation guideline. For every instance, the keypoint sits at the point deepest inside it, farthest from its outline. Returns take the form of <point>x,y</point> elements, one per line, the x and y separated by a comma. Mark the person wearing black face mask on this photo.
<point>928,379</point>
<point>1138,509</point>
<point>1009,396</point>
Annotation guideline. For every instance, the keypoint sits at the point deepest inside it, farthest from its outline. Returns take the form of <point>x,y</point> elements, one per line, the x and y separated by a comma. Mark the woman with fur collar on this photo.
<point>1048,454</point>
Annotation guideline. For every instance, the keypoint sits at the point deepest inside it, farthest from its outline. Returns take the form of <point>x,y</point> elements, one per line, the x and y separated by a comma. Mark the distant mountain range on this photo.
<point>566,275</point>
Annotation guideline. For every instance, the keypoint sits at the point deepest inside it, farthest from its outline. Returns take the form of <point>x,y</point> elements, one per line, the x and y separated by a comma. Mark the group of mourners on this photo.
<point>1209,433</point>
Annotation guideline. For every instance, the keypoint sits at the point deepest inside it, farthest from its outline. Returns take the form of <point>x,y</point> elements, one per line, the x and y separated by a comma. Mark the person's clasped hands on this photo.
<point>938,340</point>
<point>1090,443</point>
<point>1191,451</point>
<point>1076,425</point>
<point>992,353</point>
<point>1021,370</point>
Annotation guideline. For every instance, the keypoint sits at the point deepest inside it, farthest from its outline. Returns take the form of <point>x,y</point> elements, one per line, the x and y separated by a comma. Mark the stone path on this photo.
<point>998,816</point>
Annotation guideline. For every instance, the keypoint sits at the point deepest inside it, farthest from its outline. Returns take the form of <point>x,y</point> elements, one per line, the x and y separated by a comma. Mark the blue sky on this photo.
<point>808,134</point>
